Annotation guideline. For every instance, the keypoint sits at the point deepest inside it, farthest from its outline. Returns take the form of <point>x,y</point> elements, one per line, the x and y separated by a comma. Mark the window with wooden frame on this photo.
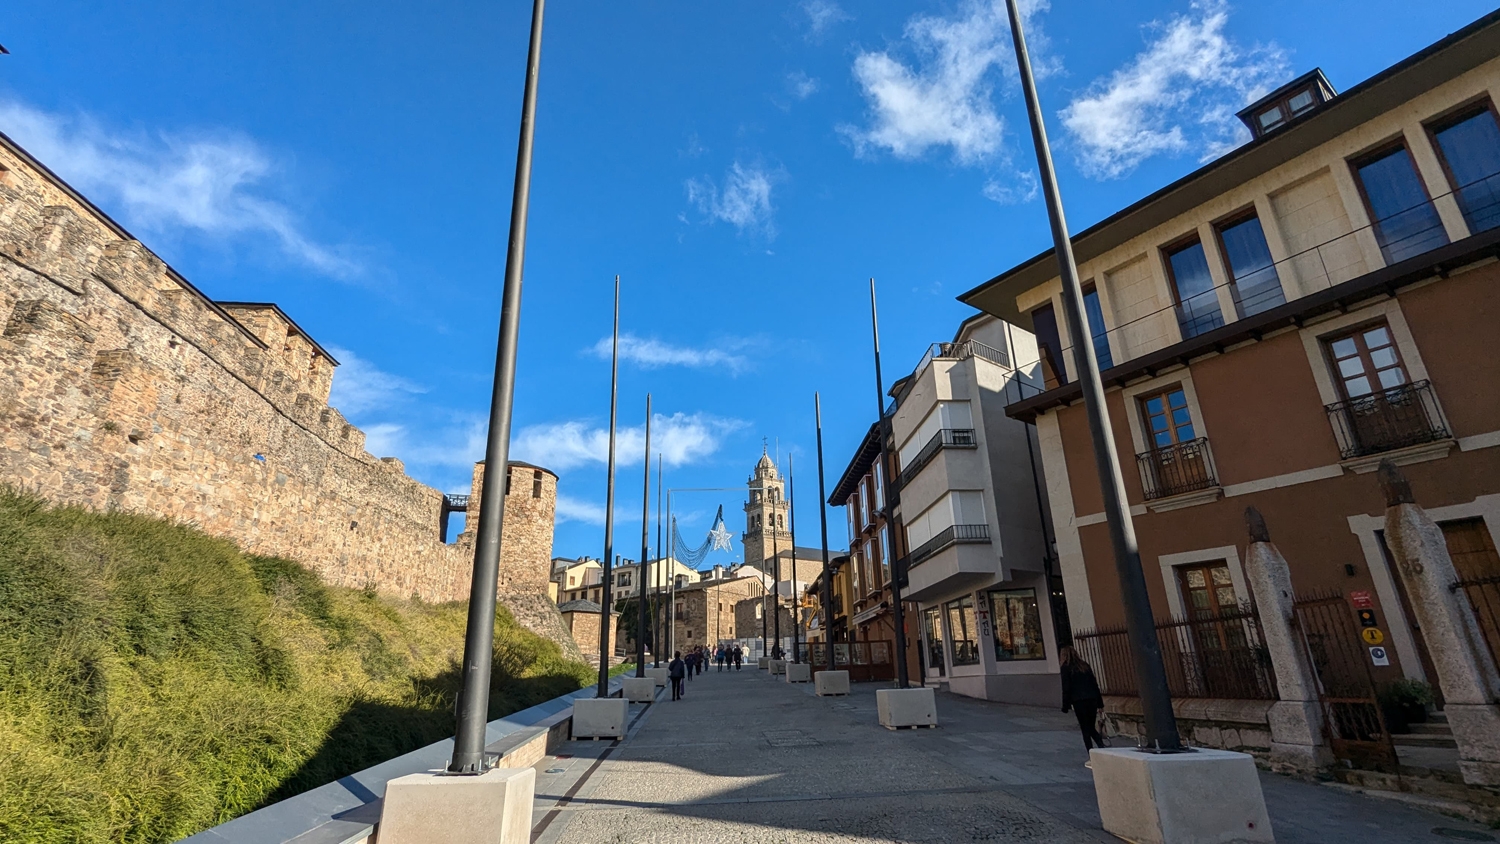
<point>1254,283</point>
<point>1365,359</point>
<point>1207,590</point>
<point>1404,221</point>
<point>1167,419</point>
<point>1468,146</point>
<point>1192,287</point>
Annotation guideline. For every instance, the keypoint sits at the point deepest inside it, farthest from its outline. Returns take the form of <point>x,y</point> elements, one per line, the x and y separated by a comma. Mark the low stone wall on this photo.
<point>1242,725</point>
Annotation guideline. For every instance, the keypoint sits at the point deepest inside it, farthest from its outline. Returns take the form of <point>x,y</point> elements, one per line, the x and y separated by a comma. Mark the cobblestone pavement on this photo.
<point>744,758</point>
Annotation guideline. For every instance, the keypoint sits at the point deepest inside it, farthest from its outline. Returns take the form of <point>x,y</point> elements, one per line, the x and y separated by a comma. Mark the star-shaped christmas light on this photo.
<point>721,537</point>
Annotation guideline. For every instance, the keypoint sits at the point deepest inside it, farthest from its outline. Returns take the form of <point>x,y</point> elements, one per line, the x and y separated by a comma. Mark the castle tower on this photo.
<point>765,515</point>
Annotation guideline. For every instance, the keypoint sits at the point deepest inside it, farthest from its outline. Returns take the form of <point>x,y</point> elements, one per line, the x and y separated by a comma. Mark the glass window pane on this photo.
<point>1344,347</point>
<point>1095,313</point>
<point>1049,341</point>
<point>1195,578</point>
<point>1154,405</point>
<point>1377,337</point>
<point>1185,433</point>
<point>1351,366</point>
<point>1163,439</point>
<point>1256,285</point>
<point>1177,398</point>
<point>1270,117</point>
<point>1018,625</point>
<point>1198,305</point>
<point>1158,423</point>
<point>1392,377</point>
<point>1225,596</point>
<point>1357,386</point>
<point>1471,149</point>
<point>1383,357</point>
<point>1405,222</point>
<point>1181,417</point>
<point>1301,102</point>
<point>1220,574</point>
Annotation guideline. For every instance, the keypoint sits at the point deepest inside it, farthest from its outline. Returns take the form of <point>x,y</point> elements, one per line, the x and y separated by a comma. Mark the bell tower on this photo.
<point>765,515</point>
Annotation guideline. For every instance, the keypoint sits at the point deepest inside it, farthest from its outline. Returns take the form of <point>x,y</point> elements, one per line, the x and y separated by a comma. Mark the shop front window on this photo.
<point>1018,625</point>
<point>962,626</point>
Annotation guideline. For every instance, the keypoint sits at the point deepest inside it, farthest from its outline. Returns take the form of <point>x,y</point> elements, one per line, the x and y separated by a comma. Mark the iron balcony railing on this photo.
<point>945,438</point>
<point>954,535</point>
<point>1176,469</point>
<point>456,502</point>
<point>962,351</point>
<point>1387,419</point>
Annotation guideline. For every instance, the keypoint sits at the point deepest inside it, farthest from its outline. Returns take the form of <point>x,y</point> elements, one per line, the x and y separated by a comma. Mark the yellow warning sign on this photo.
<point>1372,635</point>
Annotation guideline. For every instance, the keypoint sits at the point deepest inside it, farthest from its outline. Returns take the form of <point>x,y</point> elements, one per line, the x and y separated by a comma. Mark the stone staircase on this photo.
<point>1434,733</point>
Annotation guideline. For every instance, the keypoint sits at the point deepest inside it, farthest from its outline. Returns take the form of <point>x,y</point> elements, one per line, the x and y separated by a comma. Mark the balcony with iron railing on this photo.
<point>948,537</point>
<point>1177,469</point>
<point>945,438</point>
<point>1387,419</point>
<point>961,351</point>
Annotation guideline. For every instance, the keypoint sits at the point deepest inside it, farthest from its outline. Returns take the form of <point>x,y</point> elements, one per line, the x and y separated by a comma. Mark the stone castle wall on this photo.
<point>124,387</point>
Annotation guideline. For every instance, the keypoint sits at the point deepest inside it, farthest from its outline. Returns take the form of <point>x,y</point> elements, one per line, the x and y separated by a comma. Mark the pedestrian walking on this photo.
<point>676,670</point>
<point>687,663</point>
<point>719,658</point>
<point>1080,692</point>
<point>739,657</point>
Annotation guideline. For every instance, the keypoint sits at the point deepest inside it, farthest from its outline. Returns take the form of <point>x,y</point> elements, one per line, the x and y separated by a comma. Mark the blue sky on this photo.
<point>744,166</point>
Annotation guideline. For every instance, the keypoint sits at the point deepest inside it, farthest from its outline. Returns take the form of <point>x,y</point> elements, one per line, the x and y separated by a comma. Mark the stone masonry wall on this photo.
<point>123,387</point>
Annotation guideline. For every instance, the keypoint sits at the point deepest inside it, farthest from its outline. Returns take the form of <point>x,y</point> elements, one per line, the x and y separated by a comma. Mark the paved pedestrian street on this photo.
<point>746,758</point>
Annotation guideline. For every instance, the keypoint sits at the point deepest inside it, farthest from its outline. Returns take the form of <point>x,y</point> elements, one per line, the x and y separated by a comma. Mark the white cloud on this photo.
<point>680,438</point>
<point>360,386</point>
<point>205,182</point>
<point>801,85</point>
<point>458,445</point>
<point>653,354</point>
<point>1019,187</point>
<point>822,14</point>
<point>570,509</point>
<point>744,201</point>
<point>1178,95</point>
<point>946,97</point>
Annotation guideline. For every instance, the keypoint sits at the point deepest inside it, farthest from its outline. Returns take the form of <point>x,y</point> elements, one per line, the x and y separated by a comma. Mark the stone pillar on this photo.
<point>1466,673</point>
<point>1296,720</point>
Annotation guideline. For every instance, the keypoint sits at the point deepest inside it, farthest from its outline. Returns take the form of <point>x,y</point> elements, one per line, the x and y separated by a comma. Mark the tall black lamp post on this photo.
<point>1151,675</point>
<point>479,637</point>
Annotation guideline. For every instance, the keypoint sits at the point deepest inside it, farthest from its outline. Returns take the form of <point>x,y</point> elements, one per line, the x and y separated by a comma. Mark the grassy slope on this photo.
<point>155,681</point>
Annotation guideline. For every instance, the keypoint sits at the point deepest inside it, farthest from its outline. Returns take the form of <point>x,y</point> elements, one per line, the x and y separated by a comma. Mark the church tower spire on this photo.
<point>765,513</point>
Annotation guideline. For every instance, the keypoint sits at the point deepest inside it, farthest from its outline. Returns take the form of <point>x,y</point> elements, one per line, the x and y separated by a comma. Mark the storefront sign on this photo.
<point>984,621</point>
<point>1372,635</point>
<point>1361,600</point>
<point>1366,618</point>
<point>1379,657</point>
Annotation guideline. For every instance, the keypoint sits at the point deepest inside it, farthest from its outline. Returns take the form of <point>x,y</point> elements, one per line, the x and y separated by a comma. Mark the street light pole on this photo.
<point>823,524</point>
<point>898,612</point>
<point>1151,676</point>
<point>479,636</point>
<point>640,592</point>
<point>609,508</point>
<point>791,523</point>
<point>656,609</point>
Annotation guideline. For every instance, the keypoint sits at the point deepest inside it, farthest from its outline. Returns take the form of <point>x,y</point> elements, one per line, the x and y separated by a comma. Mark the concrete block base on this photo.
<point>491,808</point>
<point>659,675</point>
<point>639,689</point>
<point>762,662</point>
<point>1476,728</point>
<point>1178,798</point>
<point>777,666</point>
<point>600,717</point>
<point>831,682</point>
<point>906,707</point>
<point>798,672</point>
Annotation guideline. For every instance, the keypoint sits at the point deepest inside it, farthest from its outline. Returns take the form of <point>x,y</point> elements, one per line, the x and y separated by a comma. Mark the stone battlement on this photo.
<point>122,386</point>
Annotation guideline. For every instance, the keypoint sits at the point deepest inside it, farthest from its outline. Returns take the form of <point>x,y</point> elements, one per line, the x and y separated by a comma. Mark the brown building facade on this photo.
<point>1272,326</point>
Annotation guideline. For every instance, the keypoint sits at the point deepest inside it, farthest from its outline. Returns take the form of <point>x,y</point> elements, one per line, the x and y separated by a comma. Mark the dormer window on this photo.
<point>1301,96</point>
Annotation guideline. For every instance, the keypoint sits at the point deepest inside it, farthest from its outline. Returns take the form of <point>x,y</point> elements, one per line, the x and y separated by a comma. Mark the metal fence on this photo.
<point>1387,419</point>
<point>1222,656</point>
<point>1484,599</point>
<point>944,438</point>
<point>952,535</point>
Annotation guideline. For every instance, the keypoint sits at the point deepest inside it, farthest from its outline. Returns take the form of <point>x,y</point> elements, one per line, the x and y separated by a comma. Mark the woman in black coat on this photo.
<point>1080,692</point>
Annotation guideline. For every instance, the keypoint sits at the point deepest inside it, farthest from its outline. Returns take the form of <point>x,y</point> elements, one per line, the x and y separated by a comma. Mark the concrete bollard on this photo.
<point>778,667</point>
<point>827,683</point>
<point>763,662</point>
<point>639,689</point>
<point>1178,798</point>
<point>600,717</point>
<point>906,708</point>
<point>659,675</point>
<point>491,808</point>
<point>798,672</point>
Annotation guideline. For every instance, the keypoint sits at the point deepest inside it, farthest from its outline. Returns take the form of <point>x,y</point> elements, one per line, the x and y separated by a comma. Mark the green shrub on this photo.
<point>155,681</point>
